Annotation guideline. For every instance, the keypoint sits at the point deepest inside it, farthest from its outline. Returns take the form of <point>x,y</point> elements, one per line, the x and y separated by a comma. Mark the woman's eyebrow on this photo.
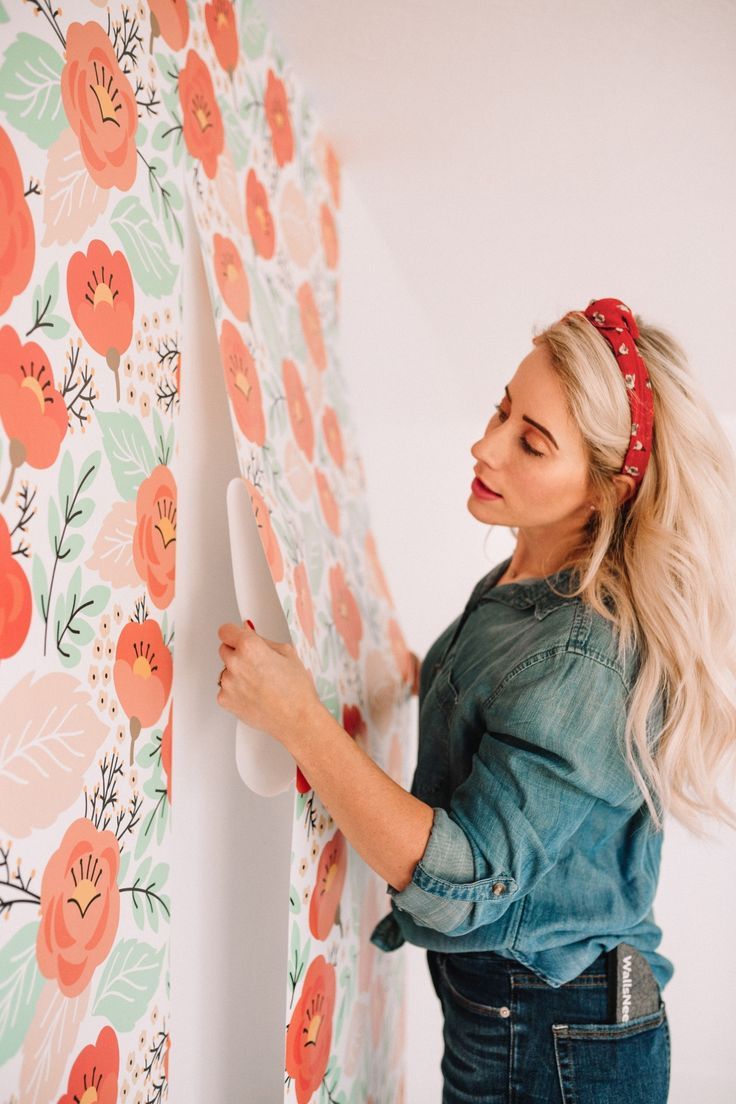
<point>531,421</point>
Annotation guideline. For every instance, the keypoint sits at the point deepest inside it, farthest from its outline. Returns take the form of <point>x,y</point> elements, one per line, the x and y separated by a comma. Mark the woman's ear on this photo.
<point>625,487</point>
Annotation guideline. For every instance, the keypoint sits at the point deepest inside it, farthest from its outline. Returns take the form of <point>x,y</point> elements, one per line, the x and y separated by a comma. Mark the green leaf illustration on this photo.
<point>128,451</point>
<point>129,980</point>
<point>30,89</point>
<point>148,256</point>
<point>20,987</point>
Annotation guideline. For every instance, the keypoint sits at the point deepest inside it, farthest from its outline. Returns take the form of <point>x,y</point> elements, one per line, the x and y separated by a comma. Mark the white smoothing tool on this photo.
<point>263,763</point>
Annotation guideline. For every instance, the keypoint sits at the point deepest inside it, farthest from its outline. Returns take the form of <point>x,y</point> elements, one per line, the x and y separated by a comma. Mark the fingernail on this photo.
<point>249,622</point>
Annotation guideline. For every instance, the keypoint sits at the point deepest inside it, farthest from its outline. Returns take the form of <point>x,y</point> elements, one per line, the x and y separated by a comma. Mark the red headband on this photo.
<point>611,317</point>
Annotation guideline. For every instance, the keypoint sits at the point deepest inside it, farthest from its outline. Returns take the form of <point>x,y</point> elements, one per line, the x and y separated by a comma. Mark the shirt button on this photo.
<point>498,888</point>
<point>504,1011</point>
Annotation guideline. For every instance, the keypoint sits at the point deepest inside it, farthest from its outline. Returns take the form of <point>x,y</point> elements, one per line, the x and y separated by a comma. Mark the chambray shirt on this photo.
<point>541,847</point>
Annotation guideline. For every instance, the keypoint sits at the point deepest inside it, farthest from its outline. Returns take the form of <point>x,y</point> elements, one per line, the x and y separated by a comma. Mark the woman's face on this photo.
<point>544,490</point>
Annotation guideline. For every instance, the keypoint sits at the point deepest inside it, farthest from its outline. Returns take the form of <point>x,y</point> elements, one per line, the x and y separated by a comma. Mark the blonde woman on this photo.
<point>586,689</point>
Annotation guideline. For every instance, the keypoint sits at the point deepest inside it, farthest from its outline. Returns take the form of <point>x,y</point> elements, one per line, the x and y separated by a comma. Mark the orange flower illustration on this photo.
<point>328,502</point>
<point>166,739</point>
<point>80,906</point>
<point>277,115</point>
<point>142,674</point>
<point>204,133</point>
<point>17,236</point>
<point>332,172</point>
<point>94,1075</point>
<point>170,19</point>
<point>260,220</point>
<point>231,278</point>
<point>300,414</point>
<point>304,605</point>
<point>16,604</point>
<point>377,577</point>
<point>401,653</point>
<point>243,387</point>
<point>99,287</point>
<point>333,436</point>
<point>265,531</point>
<point>345,611</point>
<point>100,106</point>
<point>329,236</point>
<point>154,539</point>
<point>324,903</point>
<point>220,19</point>
<point>309,1034</point>
<point>33,412</point>
<point>311,325</point>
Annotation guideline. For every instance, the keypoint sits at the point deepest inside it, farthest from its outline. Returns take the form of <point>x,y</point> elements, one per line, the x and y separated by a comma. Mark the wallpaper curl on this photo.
<point>111,118</point>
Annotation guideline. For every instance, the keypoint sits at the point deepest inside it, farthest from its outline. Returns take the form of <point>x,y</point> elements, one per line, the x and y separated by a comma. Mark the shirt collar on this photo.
<point>528,592</point>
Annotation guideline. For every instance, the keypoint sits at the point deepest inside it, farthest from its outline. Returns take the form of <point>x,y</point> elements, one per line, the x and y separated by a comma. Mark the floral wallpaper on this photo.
<point>111,117</point>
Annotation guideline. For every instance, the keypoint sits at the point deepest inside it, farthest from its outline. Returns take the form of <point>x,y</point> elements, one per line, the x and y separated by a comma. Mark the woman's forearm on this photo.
<point>386,825</point>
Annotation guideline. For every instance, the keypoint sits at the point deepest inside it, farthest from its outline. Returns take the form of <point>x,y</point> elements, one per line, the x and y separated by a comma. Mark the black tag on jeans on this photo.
<point>632,986</point>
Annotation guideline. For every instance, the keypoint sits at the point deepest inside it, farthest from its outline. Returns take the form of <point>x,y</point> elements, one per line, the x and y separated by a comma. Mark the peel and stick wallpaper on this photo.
<point>112,116</point>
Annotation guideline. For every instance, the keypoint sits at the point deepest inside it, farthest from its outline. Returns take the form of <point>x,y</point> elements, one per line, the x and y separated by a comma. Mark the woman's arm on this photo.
<point>386,825</point>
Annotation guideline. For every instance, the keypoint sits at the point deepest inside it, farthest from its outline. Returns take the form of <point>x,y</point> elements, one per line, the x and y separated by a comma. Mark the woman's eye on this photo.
<point>523,441</point>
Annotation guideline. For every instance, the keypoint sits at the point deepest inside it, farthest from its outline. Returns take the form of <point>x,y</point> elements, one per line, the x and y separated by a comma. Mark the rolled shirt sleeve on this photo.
<point>552,746</point>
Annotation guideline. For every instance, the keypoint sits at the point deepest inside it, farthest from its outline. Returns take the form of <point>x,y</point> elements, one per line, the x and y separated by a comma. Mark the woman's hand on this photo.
<point>264,683</point>
<point>416,668</point>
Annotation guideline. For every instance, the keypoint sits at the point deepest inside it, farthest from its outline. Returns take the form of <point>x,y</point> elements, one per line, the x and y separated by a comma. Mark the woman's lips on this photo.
<point>481,491</point>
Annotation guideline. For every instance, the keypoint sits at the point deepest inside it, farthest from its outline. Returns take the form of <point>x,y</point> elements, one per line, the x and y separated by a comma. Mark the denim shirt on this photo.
<point>541,848</point>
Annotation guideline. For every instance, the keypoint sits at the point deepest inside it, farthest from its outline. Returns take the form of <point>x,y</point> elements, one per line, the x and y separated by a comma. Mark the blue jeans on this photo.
<point>510,1038</point>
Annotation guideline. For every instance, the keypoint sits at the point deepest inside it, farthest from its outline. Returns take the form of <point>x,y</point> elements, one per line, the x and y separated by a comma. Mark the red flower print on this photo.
<point>309,1034</point>
<point>328,502</point>
<point>166,739</point>
<point>277,115</point>
<point>333,436</point>
<point>300,414</point>
<point>269,541</point>
<point>260,220</point>
<point>16,604</point>
<point>33,412</point>
<point>99,287</point>
<point>94,1075</point>
<point>17,236</point>
<point>80,906</point>
<point>170,19</point>
<point>231,278</point>
<point>329,236</point>
<point>352,722</point>
<point>345,611</point>
<point>324,902</point>
<point>243,387</point>
<point>142,674</point>
<point>100,106</point>
<point>154,539</point>
<point>304,606</point>
<point>204,133</point>
<point>311,325</point>
<point>220,19</point>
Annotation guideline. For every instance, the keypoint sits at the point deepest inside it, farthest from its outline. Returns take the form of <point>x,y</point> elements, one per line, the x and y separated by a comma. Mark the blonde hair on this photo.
<point>665,558</point>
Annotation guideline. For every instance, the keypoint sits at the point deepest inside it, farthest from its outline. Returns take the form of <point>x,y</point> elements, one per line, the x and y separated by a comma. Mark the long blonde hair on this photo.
<point>666,559</point>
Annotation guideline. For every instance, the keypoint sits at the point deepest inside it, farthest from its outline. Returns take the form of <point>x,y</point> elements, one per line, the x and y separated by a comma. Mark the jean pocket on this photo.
<point>605,1063</point>
<point>473,988</point>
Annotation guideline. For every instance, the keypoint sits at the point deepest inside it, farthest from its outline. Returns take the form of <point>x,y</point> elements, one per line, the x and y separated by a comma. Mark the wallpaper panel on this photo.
<point>111,116</point>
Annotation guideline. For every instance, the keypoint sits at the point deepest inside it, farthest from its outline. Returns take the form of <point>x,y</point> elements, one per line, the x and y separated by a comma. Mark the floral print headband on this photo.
<point>615,321</point>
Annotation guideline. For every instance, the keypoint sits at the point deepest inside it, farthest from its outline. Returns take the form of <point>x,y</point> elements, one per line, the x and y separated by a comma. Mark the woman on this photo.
<point>586,690</point>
